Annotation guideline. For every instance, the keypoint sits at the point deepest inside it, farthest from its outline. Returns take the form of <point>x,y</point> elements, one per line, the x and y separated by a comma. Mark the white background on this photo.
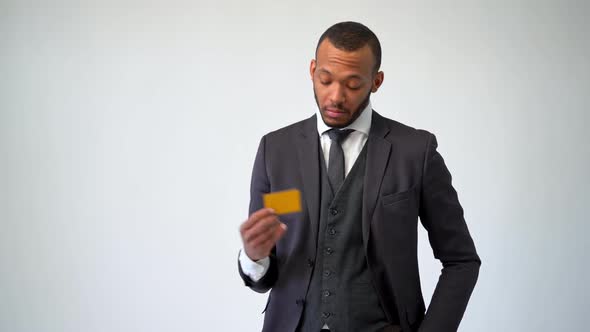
<point>128,130</point>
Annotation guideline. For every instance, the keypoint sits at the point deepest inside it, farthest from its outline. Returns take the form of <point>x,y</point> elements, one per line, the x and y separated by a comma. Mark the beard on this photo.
<point>354,116</point>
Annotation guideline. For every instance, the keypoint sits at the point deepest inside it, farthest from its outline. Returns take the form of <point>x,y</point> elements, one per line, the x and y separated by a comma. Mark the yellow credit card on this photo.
<point>283,202</point>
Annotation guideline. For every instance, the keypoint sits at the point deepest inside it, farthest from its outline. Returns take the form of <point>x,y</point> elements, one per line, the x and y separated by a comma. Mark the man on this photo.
<point>348,261</point>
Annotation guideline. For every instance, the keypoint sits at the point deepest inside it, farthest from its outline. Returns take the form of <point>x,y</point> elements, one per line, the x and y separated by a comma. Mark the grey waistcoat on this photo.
<point>341,293</point>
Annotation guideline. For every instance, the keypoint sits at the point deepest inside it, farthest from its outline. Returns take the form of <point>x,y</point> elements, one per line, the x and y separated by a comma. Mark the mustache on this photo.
<point>339,107</point>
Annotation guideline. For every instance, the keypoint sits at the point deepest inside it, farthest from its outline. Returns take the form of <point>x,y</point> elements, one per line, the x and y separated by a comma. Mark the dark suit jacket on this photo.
<point>405,178</point>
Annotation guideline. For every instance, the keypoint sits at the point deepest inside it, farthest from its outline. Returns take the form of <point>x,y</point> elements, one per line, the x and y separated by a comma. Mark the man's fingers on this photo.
<point>272,236</point>
<point>270,242</point>
<point>280,231</point>
<point>255,217</point>
<point>264,226</point>
<point>263,244</point>
<point>261,240</point>
<point>267,246</point>
<point>261,232</point>
<point>255,240</point>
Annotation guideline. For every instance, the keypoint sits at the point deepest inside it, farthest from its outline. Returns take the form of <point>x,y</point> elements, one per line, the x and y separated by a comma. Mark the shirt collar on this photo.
<point>362,123</point>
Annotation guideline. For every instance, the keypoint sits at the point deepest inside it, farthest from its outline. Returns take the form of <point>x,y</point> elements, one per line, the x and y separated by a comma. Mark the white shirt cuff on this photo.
<point>253,269</point>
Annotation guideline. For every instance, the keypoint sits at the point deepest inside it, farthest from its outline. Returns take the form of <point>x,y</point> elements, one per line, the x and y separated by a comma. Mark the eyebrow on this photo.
<point>347,77</point>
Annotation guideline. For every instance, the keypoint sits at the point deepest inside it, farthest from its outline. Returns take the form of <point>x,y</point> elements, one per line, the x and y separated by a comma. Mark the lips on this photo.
<point>334,113</point>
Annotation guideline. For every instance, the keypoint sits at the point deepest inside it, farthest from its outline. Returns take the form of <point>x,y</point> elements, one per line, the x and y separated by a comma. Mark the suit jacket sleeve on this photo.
<point>259,186</point>
<point>442,217</point>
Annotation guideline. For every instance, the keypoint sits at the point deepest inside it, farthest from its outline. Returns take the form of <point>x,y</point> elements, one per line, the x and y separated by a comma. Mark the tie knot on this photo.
<point>338,135</point>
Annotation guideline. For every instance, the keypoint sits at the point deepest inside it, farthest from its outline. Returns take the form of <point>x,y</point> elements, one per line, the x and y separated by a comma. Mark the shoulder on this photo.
<point>303,127</point>
<point>402,134</point>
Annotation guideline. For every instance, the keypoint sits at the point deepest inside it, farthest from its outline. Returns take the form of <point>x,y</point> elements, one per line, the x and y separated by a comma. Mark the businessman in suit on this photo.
<point>348,261</point>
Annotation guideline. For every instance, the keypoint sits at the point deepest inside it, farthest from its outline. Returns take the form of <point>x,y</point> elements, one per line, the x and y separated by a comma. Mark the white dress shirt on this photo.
<point>351,146</point>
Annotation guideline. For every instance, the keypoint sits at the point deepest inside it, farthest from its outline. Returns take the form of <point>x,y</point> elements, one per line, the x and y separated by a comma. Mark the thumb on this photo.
<point>281,231</point>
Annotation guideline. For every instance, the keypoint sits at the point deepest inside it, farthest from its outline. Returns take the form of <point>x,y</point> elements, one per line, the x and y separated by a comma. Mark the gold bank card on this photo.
<point>283,202</point>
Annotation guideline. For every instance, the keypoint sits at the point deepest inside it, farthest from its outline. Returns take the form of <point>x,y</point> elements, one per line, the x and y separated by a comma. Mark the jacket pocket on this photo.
<point>390,199</point>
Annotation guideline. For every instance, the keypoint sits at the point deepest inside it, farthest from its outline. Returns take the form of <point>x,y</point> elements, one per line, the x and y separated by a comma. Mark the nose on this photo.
<point>337,95</point>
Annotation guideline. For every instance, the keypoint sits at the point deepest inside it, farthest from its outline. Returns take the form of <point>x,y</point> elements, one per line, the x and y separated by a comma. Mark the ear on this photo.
<point>377,81</point>
<point>312,67</point>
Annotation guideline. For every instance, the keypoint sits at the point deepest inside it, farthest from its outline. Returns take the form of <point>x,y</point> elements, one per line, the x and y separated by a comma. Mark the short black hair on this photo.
<point>351,36</point>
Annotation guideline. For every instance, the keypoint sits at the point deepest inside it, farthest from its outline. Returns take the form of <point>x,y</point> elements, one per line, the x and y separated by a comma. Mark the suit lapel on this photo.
<point>309,165</point>
<point>378,151</point>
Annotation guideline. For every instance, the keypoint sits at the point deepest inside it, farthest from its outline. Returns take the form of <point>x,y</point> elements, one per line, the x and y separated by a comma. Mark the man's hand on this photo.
<point>261,232</point>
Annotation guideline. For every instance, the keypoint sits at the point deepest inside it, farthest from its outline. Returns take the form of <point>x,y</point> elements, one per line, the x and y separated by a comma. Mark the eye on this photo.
<point>354,85</point>
<point>325,79</point>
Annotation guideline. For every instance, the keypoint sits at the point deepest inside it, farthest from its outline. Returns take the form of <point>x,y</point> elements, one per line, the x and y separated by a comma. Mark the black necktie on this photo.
<point>336,161</point>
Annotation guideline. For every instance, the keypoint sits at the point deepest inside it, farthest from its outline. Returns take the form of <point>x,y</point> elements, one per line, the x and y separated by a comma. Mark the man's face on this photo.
<point>343,82</point>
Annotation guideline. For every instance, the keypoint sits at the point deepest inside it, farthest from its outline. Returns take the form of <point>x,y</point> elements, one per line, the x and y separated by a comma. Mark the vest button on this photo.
<point>325,314</point>
<point>327,293</point>
<point>327,273</point>
<point>310,262</point>
<point>329,250</point>
<point>334,211</point>
<point>332,231</point>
